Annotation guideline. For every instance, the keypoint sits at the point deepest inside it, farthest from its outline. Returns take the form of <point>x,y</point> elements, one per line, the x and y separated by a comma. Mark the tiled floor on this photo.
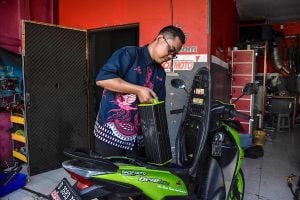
<point>265,177</point>
<point>43,183</point>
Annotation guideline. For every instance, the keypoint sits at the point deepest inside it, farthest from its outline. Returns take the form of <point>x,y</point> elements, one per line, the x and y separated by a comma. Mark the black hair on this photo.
<point>173,31</point>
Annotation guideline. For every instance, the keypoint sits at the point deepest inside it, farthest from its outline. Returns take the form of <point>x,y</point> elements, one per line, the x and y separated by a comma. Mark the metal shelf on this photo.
<point>17,119</point>
<point>19,155</point>
<point>19,138</point>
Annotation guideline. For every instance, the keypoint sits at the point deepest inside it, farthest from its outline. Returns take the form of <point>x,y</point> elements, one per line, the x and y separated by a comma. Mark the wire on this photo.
<point>35,192</point>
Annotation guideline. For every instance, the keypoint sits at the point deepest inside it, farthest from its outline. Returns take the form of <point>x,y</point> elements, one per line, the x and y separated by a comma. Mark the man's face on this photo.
<point>166,48</point>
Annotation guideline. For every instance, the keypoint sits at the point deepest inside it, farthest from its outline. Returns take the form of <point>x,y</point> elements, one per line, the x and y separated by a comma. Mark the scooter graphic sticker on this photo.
<point>153,180</point>
<point>133,173</point>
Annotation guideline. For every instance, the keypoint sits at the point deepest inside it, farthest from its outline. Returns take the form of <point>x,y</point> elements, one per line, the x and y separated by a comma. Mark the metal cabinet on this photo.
<point>242,73</point>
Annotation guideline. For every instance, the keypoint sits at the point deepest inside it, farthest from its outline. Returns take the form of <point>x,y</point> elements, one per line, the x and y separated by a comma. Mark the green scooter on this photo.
<point>208,159</point>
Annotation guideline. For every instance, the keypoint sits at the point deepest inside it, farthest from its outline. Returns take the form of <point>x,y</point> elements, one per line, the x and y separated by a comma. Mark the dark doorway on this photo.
<point>102,44</point>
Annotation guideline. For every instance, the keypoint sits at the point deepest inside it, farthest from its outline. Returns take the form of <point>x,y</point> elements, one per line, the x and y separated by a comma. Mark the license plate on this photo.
<point>64,191</point>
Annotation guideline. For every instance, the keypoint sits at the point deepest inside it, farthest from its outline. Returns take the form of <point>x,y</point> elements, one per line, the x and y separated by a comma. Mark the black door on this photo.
<point>56,93</point>
<point>102,44</point>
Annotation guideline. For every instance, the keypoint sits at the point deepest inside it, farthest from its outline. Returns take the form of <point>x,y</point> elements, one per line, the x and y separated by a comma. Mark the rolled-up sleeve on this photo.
<point>116,66</point>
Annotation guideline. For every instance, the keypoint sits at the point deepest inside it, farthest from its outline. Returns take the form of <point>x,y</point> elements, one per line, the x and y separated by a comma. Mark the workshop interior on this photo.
<point>240,53</point>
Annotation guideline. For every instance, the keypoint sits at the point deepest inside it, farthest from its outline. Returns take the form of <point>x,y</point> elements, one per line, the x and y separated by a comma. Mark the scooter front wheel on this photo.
<point>238,187</point>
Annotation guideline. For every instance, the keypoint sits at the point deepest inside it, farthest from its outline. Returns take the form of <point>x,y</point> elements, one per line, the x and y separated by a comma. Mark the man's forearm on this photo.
<point>119,85</point>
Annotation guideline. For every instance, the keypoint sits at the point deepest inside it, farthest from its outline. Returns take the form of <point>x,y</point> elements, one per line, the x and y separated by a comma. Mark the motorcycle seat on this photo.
<point>89,156</point>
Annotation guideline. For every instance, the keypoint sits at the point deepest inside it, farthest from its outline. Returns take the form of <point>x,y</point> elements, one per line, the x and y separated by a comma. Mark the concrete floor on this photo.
<point>265,177</point>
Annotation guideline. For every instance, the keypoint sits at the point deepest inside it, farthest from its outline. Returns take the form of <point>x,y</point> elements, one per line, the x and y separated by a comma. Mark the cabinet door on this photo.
<point>242,68</point>
<point>242,56</point>
<point>243,104</point>
<point>56,96</point>
<point>241,80</point>
<point>242,73</point>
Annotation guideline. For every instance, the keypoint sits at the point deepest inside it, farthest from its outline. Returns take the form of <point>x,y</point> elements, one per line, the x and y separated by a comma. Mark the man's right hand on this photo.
<point>146,95</point>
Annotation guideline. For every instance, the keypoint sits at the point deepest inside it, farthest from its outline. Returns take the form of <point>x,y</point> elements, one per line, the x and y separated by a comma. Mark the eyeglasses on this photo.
<point>172,50</point>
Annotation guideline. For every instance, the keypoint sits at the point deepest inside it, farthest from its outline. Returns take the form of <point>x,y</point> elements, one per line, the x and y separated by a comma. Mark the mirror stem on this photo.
<point>238,98</point>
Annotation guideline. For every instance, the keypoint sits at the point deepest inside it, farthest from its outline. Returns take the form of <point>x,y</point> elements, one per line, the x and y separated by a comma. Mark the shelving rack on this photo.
<point>18,119</point>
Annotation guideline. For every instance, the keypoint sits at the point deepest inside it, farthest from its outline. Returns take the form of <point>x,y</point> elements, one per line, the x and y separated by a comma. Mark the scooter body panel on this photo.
<point>156,184</point>
<point>237,140</point>
<point>231,158</point>
<point>211,183</point>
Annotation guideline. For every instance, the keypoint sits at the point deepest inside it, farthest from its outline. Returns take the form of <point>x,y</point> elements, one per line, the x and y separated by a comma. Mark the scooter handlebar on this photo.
<point>240,115</point>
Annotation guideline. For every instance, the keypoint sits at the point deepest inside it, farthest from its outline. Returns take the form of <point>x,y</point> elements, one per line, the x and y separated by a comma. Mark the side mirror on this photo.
<point>250,88</point>
<point>178,83</point>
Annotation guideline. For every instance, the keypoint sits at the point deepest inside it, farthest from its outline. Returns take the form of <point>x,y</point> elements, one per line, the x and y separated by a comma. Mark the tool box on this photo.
<point>16,182</point>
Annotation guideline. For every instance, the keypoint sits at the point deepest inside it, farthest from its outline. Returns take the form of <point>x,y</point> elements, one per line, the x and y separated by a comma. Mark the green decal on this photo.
<point>171,189</point>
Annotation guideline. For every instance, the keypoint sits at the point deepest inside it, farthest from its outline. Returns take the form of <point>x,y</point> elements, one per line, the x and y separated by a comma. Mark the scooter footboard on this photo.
<point>211,185</point>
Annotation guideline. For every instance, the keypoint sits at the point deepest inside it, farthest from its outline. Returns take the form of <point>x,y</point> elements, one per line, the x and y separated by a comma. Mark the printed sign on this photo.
<point>184,62</point>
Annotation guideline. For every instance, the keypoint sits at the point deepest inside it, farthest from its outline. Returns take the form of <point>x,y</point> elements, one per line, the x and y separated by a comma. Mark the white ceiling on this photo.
<point>273,11</point>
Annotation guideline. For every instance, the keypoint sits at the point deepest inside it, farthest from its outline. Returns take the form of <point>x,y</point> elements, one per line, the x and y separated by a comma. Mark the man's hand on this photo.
<point>146,95</point>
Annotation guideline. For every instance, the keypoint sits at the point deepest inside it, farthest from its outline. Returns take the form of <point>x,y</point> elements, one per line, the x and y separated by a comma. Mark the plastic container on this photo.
<point>246,140</point>
<point>259,137</point>
<point>18,181</point>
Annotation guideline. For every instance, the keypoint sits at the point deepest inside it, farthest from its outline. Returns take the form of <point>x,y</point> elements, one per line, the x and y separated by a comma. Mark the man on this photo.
<point>132,75</point>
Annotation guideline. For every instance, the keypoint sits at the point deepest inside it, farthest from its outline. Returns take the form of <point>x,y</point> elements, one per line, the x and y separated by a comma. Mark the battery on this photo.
<point>155,131</point>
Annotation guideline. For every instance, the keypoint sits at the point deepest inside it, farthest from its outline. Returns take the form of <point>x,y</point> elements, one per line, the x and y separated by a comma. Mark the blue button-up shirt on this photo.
<point>118,121</point>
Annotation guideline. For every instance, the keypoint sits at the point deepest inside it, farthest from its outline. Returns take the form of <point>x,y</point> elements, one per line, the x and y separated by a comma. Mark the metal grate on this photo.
<point>55,74</point>
<point>199,95</point>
